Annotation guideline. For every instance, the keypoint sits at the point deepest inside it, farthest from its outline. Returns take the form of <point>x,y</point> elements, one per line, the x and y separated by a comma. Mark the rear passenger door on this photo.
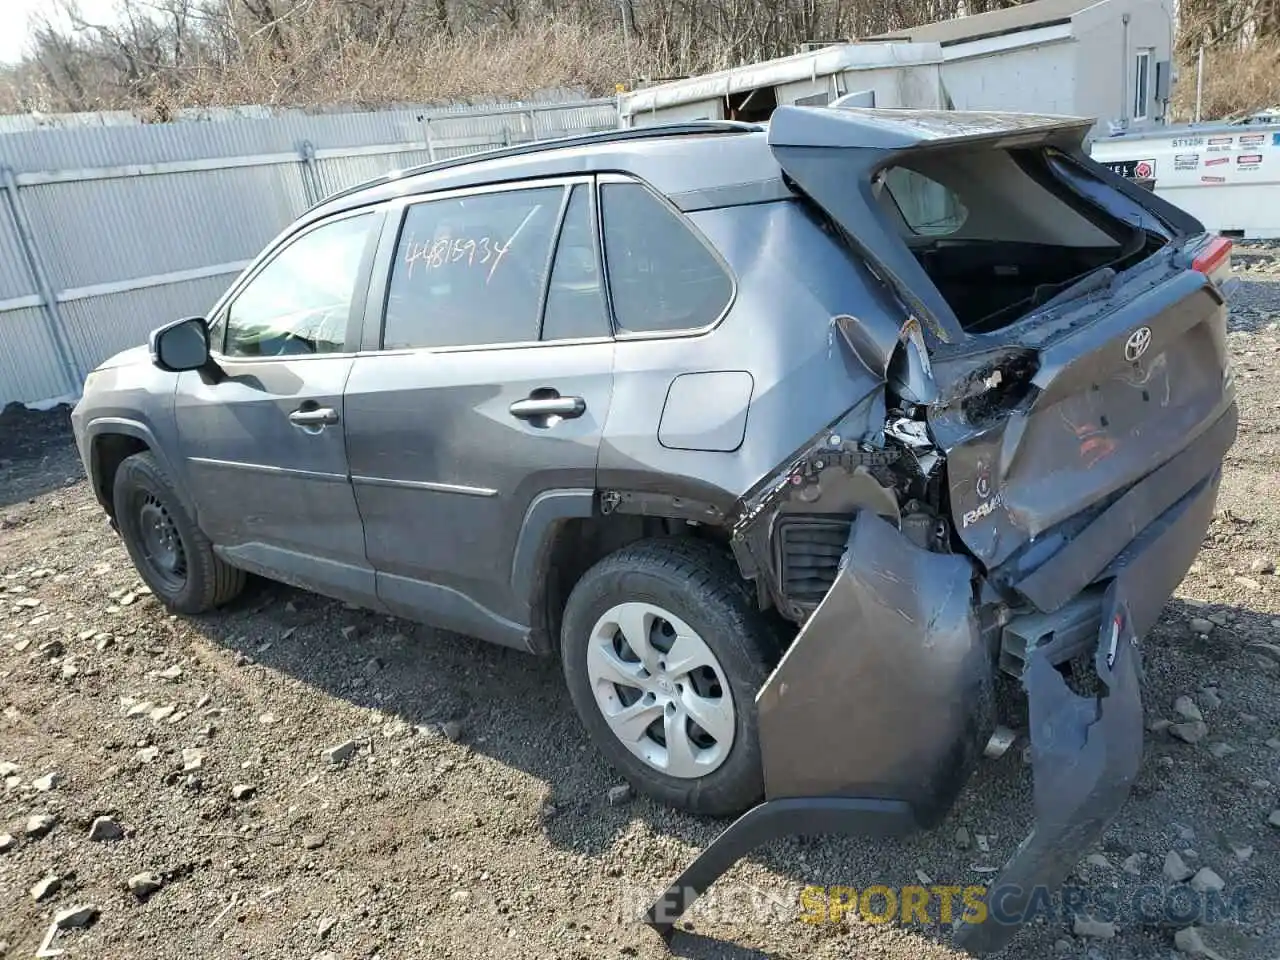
<point>479,397</point>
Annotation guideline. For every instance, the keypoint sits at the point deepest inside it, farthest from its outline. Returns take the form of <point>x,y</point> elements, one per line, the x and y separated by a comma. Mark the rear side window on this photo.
<point>661,275</point>
<point>576,305</point>
<point>470,271</point>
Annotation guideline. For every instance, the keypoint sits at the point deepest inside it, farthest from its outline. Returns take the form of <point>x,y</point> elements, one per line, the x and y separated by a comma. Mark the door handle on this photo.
<point>535,407</point>
<point>318,417</point>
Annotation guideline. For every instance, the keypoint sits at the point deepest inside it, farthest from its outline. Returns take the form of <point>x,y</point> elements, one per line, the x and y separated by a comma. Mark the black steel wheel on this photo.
<point>170,552</point>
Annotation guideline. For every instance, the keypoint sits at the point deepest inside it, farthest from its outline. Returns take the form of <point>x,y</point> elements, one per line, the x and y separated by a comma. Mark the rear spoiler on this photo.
<point>895,130</point>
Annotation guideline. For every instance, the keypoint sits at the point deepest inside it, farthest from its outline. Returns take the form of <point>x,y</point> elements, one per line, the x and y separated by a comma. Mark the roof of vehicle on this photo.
<point>701,164</point>
<point>678,159</point>
<point>1025,16</point>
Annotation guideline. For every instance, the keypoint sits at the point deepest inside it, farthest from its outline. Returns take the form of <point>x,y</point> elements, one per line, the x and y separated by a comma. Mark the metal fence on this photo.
<point>108,231</point>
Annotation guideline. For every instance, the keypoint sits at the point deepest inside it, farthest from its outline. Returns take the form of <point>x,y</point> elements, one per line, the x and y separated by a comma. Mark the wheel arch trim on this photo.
<point>536,537</point>
<point>102,426</point>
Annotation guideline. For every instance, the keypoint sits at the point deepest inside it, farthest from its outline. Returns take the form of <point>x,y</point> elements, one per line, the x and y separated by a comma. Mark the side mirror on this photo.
<point>181,345</point>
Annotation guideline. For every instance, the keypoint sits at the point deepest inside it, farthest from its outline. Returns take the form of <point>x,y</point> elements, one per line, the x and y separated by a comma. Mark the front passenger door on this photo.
<point>263,445</point>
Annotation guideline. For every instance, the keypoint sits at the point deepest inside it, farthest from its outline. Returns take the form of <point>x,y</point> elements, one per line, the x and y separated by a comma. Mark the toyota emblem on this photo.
<point>1137,344</point>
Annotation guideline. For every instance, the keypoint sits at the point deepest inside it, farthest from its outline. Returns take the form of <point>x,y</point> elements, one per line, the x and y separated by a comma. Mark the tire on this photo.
<point>698,585</point>
<point>152,522</point>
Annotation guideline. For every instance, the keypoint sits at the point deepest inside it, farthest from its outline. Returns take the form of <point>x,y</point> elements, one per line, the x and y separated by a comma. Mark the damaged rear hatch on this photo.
<point>1076,337</point>
<point>1072,372</point>
<point>1062,360</point>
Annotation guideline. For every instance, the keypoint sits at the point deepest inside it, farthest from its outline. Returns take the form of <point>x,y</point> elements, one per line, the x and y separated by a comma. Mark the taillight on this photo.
<point>1214,257</point>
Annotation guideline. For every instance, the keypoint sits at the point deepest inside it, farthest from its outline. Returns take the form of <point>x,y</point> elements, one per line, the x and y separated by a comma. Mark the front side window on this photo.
<point>470,271</point>
<point>927,207</point>
<point>299,303</point>
<point>661,275</point>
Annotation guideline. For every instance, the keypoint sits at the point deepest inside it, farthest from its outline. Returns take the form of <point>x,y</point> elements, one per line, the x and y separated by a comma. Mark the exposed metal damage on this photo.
<point>908,632</point>
<point>1085,754</point>
<point>1017,490</point>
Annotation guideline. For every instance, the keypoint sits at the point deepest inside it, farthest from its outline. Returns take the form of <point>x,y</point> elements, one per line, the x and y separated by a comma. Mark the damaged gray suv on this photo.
<point>792,443</point>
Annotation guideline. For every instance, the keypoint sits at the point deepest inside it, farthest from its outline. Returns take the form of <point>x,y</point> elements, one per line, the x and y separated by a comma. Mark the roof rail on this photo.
<point>688,128</point>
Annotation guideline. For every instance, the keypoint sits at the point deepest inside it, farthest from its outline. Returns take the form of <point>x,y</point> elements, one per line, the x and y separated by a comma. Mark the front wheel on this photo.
<point>169,551</point>
<point>664,652</point>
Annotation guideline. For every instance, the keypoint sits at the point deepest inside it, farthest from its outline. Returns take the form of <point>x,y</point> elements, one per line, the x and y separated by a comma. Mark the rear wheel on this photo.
<point>169,551</point>
<point>663,654</point>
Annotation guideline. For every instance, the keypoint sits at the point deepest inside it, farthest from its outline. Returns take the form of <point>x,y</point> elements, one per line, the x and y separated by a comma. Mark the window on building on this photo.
<point>1142,83</point>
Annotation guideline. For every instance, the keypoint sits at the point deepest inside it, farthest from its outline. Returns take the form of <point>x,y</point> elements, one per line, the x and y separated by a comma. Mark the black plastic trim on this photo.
<point>547,510</point>
<point>772,820</point>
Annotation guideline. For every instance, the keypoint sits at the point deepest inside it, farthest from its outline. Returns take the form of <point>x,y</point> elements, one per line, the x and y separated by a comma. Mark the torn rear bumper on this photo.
<point>879,711</point>
<point>1086,751</point>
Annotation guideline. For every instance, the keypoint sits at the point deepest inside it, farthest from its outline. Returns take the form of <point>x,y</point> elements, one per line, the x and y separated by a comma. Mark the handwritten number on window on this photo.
<point>467,251</point>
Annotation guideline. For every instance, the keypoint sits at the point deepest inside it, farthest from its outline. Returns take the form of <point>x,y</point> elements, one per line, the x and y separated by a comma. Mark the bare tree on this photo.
<point>162,52</point>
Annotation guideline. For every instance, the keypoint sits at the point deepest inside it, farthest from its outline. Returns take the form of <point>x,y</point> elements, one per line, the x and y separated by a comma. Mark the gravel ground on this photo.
<point>465,813</point>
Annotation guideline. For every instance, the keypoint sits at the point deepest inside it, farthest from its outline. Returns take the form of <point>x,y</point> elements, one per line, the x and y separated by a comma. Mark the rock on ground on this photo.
<point>142,885</point>
<point>73,917</point>
<point>1093,929</point>
<point>104,828</point>
<point>38,824</point>
<point>45,887</point>
<point>1175,869</point>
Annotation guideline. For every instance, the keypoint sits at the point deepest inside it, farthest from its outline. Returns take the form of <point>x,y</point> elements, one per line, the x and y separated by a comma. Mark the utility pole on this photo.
<point>1199,82</point>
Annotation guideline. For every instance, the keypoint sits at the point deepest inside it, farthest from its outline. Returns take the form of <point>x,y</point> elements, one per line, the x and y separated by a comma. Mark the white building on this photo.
<point>1110,60</point>
<point>883,74</point>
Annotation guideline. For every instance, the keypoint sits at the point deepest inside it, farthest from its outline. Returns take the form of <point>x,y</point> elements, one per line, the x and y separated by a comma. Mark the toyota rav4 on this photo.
<point>792,443</point>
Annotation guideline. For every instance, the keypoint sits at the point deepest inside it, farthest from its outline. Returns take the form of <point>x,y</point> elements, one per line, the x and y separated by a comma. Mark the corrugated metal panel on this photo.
<point>97,224</point>
<point>110,146</point>
<point>497,128</point>
<point>101,326</point>
<point>53,121</point>
<point>448,153</point>
<point>339,173</point>
<point>29,367</point>
<point>15,278</point>
<point>578,119</point>
<point>102,230</point>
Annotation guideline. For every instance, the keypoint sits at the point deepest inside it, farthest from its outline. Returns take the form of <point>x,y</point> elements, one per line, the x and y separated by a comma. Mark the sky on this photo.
<point>14,16</point>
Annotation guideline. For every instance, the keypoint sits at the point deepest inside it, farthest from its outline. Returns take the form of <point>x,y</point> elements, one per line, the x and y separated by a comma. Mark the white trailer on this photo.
<point>870,74</point>
<point>1227,176</point>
